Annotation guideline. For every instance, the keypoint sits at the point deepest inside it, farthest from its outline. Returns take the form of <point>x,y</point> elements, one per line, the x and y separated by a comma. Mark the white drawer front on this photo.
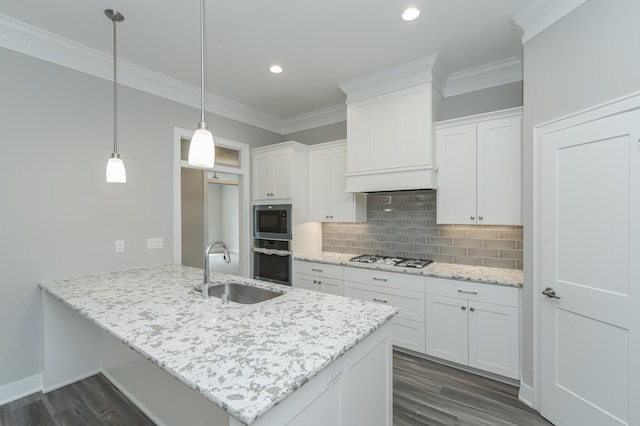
<point>489,293</point>
<point>319,269</point>
<point>410,303</point>
<point>384,278</point>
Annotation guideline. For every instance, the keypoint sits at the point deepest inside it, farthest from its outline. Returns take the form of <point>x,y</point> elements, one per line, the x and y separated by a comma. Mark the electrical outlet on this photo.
<point>119,246</point>
<point>155,243</point>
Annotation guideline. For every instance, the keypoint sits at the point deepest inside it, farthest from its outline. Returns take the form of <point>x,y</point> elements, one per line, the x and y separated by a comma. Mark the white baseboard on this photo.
<point>526,394</point>
<point>18,389</point>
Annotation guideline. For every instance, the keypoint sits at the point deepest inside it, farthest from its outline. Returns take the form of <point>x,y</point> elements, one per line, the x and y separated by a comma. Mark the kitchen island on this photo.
<point>300,358</point>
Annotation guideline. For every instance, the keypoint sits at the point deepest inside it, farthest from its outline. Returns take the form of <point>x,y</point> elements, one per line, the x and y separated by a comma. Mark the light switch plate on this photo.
<point>119,246</point>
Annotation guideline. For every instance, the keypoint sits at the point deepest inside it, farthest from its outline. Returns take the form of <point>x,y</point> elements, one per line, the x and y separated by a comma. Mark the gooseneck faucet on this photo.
<point>227,258</point>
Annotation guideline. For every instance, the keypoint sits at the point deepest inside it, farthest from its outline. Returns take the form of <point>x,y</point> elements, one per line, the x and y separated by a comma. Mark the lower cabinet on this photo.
<point>319,277</point>
<point>405,292</point>
<point>473,324</point>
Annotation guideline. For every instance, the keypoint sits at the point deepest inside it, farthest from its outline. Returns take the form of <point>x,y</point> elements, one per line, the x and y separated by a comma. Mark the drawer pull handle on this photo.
<point>380,300</point>
<point>379,279</point>
<point>316,270</point>
<point>467,291</point>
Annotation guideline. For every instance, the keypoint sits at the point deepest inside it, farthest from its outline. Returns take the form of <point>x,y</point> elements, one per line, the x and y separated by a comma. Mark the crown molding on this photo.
<point>33,41</point>
<point>313,119</point>
<point>483,77</point>
<point>537,16</point>
<point>409,74</point>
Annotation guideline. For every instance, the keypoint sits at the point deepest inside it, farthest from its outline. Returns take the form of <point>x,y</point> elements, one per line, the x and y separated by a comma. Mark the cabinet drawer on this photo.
<point>387,279</point>
<point>319,269</point>
<point>489,293</point>
<point>410,303</point>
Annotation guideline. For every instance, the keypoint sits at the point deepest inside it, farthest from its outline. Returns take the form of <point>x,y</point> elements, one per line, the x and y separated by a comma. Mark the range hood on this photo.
<point>390,115</point>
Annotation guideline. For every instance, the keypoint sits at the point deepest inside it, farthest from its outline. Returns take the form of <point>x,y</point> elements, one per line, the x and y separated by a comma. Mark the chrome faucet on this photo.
<point>227,258</point>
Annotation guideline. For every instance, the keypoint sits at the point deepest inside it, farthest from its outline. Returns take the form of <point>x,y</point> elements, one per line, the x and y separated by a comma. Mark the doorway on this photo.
<point>212,204</point>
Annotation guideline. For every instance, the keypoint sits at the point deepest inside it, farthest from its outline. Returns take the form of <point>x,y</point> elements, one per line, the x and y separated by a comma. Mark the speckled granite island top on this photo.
<point>481,274</point>
<point>243,358</point>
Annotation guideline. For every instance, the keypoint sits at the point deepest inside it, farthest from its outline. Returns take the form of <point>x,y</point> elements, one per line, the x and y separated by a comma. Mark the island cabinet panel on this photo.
<point>403,291</point>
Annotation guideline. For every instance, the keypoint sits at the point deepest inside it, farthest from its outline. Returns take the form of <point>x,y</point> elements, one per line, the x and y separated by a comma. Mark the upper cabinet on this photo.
<point>279,176</point>
<point>390,128</point>
<point>328,201</point>
<point>479,169</point>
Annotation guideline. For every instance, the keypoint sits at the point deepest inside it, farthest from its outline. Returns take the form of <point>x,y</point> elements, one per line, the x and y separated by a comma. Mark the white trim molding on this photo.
<point>538,16</point>
<point>20,388</point>
<point>484,76</point>
<point>313,119</point>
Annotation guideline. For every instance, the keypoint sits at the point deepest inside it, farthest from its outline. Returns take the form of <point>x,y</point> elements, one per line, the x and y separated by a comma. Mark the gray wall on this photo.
<point>587,58</point>
<point>59,217</point>
<point>485,100</point>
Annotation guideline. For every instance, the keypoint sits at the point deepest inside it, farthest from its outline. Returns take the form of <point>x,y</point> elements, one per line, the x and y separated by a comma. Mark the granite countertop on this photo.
<point>481,274</point>
<point>243,358</point>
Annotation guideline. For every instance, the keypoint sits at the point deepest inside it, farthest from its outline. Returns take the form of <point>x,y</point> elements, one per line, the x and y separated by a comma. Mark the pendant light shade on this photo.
<point>115,167</point>
<point>202,149</point>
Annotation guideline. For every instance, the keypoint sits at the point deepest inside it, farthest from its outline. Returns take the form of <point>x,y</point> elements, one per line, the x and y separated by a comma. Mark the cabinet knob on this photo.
<point>473,218</point>
<point>480,217</point>
<point>330,217</point>
<point>315,281</point>
<point>472,309</point>
<point>319,282</point>
<point>326,217</point>
<point>464,308</point>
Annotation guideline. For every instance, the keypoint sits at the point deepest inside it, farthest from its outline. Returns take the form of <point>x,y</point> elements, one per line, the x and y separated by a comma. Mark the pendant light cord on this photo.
<point>115,93</point>
<point>202,61</point>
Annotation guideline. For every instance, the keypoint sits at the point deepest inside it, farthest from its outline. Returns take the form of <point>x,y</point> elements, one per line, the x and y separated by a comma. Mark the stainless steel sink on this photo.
<point>242,293</point>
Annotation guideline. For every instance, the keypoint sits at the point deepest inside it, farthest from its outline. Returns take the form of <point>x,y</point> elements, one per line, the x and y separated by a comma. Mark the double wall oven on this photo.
<point>272,258</point>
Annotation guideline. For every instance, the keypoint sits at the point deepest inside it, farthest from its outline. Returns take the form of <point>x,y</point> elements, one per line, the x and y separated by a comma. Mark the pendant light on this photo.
<point>202,150</point>
<point>115,167</point>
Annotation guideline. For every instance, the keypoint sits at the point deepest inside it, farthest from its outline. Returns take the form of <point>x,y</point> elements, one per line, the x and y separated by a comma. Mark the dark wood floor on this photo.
<point>428,393</point>
<point>424,393</point>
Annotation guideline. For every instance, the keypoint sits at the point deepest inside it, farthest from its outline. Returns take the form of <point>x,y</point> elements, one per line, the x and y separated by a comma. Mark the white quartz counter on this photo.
<point>482,274</point>
<point>243,358</point>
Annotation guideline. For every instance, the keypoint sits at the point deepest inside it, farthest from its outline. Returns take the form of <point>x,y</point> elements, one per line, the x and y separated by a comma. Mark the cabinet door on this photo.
<point>447,328</point>
<point>320,175</point>
<point>494,339</point>
<point>456,148</point>
<point>343,205</point>
<point>262,176</point>
<point>307,282</point>
<point>499,171</point>
<point>282,173</point>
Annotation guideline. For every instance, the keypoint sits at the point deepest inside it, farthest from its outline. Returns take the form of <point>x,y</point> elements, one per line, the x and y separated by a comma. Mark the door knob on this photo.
<point>549,292</point>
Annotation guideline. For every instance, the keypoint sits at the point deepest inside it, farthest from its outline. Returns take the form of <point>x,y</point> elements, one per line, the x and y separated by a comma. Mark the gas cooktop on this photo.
<point>391,261</point>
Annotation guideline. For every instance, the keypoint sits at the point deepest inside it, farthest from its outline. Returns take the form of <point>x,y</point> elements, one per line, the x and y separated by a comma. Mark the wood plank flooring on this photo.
<point>424,393</point>
<point>428,393</point>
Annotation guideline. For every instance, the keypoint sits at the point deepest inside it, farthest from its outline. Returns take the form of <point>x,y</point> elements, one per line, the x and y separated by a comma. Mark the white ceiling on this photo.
<point>319,43</point>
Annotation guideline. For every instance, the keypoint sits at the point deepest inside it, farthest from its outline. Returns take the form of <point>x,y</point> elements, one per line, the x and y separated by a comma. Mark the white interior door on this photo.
<point>590,256</point>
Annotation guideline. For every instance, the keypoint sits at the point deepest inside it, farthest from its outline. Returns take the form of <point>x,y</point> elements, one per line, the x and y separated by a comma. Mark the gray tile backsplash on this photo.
<point>403,223</point>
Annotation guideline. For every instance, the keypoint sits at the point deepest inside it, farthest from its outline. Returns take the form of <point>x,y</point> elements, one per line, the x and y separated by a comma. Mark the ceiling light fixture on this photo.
<point>276,69</point>
<point>115,167</point>
<point>410,14</point>
<point>202,150</point>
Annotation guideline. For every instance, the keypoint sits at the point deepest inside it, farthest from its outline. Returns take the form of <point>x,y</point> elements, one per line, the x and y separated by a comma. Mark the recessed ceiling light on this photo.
<point>410,14</point>
<point>276,69</point>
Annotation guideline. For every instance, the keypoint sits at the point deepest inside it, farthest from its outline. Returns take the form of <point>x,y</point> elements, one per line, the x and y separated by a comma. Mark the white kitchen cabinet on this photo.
<point>479,169</point>
<point>406,292</point>
<point>279,176</point>
<point>320,277</point>
<point>473,324</point>
<point>328,201</point>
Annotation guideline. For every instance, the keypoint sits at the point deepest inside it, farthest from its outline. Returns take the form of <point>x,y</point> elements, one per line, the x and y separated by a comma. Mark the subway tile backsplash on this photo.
<point>403,223</point>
